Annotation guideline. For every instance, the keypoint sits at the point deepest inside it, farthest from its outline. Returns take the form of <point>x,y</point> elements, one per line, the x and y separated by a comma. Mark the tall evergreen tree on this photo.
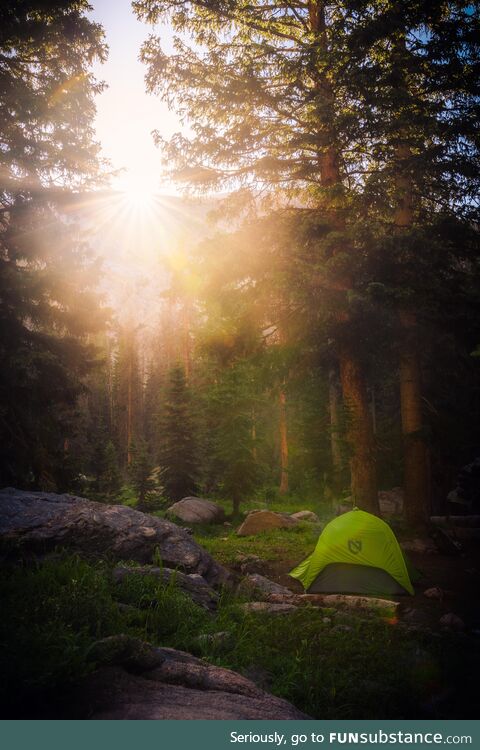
<point>127,394</point>
<point>268,90</point>
<point>140,471</point>
<point>418,94</point>
<point>178,452</point>
<point>48,306</point>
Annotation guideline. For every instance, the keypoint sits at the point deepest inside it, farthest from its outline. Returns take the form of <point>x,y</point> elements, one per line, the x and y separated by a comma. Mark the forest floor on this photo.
<point>457,578</point>
<point>329,663</point>
<point>279,551</point>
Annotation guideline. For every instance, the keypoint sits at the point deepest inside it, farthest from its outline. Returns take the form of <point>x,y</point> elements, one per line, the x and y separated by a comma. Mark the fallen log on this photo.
<point>347,601</point>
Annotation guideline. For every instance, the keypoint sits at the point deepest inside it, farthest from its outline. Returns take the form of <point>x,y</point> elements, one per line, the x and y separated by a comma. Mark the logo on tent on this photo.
<point>355,546</point>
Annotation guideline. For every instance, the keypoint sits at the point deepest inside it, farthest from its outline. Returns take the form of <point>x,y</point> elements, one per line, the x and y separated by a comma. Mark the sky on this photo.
<point>142,231</point>
<point>126,114</point>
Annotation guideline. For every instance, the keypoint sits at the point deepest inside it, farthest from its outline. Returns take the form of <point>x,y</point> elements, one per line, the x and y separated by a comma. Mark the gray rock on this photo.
<point>40,521</point>
<point>435,592</point>
<point>305,515</point>
<point>343,507</point>
<point>197,510</point>
<point>178,690</point>
<point>138,681</point>
<point>256,582</point>
<point>452,622</point>
<point>249,563</point>
<point>192,584</point>
<point>132,653</point>
<point>391,502</point>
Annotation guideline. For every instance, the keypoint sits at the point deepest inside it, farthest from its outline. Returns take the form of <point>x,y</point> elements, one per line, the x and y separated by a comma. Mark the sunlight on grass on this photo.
<point>277,544</point>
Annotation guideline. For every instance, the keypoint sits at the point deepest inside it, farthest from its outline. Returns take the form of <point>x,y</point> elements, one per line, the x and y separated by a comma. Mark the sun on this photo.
<point>139,194</point>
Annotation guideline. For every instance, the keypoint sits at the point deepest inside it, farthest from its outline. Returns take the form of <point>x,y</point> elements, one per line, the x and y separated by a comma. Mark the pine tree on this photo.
<point>231,400</point>
<point>127,394</point>
<point>178,451</point>
<point>269,92</point>
<point>418,95</point>
<point>109,480</point>
<point>140,472</point>
<point>48,307</point>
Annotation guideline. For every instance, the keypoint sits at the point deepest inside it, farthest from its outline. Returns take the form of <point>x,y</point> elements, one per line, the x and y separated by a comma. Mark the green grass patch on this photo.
<point>278,544</point>
<point>331,665</point>
<point>279,503</point>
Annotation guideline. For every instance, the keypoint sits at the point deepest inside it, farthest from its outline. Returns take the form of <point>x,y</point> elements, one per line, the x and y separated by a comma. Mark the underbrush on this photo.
<point>329,664</point>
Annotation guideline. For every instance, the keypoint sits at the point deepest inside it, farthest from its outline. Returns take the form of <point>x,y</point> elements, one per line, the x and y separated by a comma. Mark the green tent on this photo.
<point>357,553</point>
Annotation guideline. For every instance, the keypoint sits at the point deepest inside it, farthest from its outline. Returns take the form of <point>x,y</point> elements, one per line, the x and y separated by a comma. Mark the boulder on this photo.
<point>264,520</point>
<point>249,563</point>
<point>452,622</point>
<point>177,686</point>
<point>434,592</point>
<point>134,654</point>
<point>197,510</point>
<point>40,521</point>
<point>345,506</point>
<point>256,582</point>
<point>305,515</point>
<point>390,502</point>
<point>192,584</point>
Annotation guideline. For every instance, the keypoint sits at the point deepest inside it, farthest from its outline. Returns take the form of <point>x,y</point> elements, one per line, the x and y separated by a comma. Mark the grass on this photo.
<point>329,664</point>
<point>276,544</point>
<point>280,503</point>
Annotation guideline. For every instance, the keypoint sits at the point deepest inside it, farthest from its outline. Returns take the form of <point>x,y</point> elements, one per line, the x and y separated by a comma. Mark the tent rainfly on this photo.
<point>357,553</point>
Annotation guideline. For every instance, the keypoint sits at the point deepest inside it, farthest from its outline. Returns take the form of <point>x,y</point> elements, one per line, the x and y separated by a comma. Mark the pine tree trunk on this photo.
<point>335,440</point>
<point>416,478</point>
<point>359,434</point>
<point>283,443</point>
<point>415,451</point>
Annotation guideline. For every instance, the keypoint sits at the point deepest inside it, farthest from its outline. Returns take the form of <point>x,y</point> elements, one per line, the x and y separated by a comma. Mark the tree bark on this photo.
<point>335,440</point>
<point>283,442</point>
<point>416,476</point>
<point>359,434</point>
<point>414,447</point>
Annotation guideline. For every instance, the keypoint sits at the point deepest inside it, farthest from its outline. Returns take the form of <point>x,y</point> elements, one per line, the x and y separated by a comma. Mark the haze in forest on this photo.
<point>313,354</point>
